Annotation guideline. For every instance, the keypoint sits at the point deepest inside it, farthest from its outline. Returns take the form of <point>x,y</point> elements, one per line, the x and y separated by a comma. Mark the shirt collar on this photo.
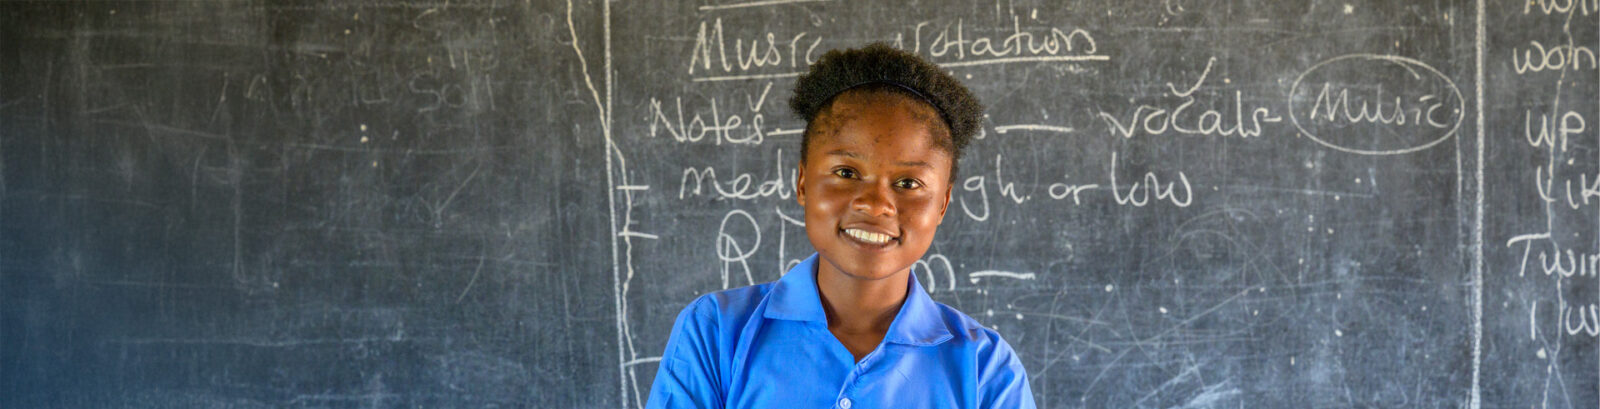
<point>795,298</point>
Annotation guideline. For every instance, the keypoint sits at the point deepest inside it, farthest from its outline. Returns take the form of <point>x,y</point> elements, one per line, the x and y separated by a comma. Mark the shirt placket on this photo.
<point>844,399</point>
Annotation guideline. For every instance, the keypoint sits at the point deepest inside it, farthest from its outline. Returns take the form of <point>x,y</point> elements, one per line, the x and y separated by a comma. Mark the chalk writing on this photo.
<point>1552,133</point>
<point>934,261</point>
<point>741,187</point>
<point>1567,7</point>
<point>1566,275</point>
<point>1138,194</point>
<point>1535,57</point>
<point>1586,190</point>
<point>975,184</point>
<point>979,275</point>
<point>730,250</point>
<point>1329,109</point>
<point>949,44</point>
<point>1374,125</point>
<point>671,121</point>
<point>1158,120</point>
<point>1062,190</point>
<point>710,51</point>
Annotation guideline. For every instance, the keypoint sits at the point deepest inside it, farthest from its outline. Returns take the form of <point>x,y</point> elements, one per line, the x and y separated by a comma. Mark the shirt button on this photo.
<point>844,403</point>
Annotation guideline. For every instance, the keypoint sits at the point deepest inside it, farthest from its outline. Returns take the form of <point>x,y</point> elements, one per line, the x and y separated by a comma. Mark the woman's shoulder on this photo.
<point>966,329</point>
<point>993,356</point>
<point>730,305</point>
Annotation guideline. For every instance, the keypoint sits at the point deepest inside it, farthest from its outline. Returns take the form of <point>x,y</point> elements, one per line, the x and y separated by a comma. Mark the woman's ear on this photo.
<point>800,184</point>
<point>946,205</point>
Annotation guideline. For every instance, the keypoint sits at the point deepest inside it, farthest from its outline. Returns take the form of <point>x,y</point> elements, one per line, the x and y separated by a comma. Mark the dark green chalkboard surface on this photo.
<point>1173,204</point>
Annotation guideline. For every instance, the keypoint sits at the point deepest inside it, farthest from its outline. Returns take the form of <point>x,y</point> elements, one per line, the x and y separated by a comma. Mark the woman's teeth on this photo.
<point>867,236</point>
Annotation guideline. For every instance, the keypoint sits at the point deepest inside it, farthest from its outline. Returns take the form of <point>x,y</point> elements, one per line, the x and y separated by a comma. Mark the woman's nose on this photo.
<point>874,200</point>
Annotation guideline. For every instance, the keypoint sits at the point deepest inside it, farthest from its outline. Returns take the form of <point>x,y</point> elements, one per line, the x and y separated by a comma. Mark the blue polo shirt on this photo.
<point>768,346</point>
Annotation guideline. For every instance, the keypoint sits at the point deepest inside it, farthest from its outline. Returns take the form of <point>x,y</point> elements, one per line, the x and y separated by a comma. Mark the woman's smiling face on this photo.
<point>874,183</point>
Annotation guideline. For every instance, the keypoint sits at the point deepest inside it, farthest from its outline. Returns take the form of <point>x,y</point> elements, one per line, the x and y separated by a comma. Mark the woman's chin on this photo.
<point>869,269</point>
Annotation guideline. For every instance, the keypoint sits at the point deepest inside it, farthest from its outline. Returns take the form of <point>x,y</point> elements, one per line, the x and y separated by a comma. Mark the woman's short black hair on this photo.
<point>878,66</point>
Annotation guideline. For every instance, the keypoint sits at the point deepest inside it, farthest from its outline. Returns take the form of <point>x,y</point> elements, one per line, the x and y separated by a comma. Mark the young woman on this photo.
<point>850,327</point>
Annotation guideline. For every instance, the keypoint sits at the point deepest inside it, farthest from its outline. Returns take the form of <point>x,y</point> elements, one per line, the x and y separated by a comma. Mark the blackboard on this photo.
<point>1178,203</point>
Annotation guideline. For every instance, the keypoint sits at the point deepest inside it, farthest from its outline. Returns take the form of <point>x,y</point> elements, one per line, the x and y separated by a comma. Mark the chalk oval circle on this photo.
<point>1411,136</point>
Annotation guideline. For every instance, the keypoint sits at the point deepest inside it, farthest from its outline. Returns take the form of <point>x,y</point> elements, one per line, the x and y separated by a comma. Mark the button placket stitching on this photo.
<point>844,402</point>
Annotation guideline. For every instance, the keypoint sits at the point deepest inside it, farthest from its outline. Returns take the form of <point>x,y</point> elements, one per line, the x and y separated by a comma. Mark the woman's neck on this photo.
<point>860,306</point>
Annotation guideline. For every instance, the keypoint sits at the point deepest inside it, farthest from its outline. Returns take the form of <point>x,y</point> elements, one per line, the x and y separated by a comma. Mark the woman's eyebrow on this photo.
<point>853,155</point>
<point>844,153</point>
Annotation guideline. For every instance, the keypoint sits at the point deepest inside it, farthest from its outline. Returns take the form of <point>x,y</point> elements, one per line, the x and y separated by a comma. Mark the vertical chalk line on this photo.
<point>611,202</point>
<point>625,332</point>
<point>611,196</point>
<point>1477,216</point>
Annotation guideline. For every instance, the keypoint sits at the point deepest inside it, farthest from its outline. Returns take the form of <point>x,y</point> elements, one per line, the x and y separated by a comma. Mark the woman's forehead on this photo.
<point>879,130</point>
<point>851,103</point>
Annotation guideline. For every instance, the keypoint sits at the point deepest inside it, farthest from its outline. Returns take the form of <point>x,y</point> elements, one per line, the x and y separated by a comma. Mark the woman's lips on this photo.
<point>868,237</point>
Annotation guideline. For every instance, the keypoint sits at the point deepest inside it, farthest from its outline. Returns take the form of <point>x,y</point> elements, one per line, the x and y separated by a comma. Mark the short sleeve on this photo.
<point>1002,382</point>
<point>689,374</point>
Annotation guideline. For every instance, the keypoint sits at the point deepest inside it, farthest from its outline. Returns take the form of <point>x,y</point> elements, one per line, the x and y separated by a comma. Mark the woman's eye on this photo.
<point>908,184</point>
<point>846,173</point>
